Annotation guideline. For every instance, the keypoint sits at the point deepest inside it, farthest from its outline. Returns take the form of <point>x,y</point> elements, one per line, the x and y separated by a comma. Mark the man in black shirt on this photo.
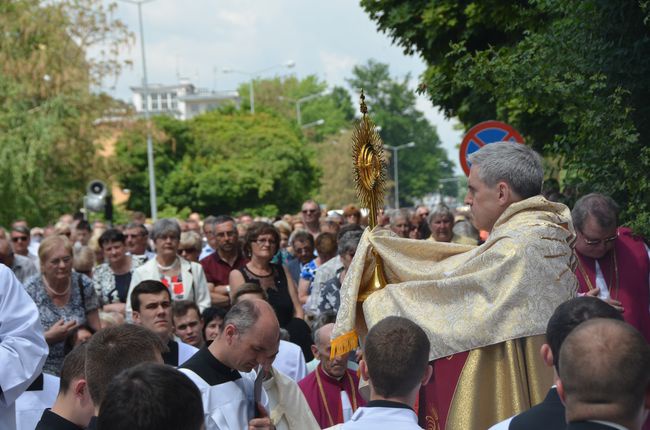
<point>73,407</point>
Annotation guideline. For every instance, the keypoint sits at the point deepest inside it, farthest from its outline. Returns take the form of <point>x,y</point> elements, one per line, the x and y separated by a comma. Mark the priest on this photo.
<point>484,308</point>
<point>331,390</point>
<point>613,263</point>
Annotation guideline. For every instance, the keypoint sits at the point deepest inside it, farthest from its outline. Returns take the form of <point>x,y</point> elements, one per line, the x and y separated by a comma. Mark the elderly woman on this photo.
<point>329,296</point>
<point>184,279</point>
<point>261,243</point>
<point>112,278</point>
<point>65,299</point>
<point>441,223</point>
<point>190,246</point>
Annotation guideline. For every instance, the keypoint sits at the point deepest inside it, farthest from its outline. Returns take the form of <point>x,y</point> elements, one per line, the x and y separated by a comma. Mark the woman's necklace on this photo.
<point>166,268</point>
<point>53,291</point>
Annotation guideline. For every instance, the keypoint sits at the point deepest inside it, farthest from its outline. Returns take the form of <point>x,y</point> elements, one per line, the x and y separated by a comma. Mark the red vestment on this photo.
<point>626,269</point>
<point>323,394</point>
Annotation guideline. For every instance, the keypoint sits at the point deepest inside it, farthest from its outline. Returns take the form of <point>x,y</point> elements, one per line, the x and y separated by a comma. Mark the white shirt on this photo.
<point>290,361</point>
<point>503,425</point>
<point>603,291</point>
<point>22,346</point>
<point>31,404</point>
<point>382,418</point>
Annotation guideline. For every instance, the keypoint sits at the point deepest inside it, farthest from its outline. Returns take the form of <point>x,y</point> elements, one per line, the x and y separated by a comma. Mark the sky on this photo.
<point>197,39</point>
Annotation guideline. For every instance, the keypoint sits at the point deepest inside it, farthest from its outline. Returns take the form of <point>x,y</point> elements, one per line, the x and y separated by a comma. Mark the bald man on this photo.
<point>223,371</point>
<point>605,376</point>
<point>331,390</point>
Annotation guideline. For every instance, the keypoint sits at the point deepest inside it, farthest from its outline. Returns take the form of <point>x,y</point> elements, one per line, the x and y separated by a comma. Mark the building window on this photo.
<point>163,101</point>
<point>154,102</point>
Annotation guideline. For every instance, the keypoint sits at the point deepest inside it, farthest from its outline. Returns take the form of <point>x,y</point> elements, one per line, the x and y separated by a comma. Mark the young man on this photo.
<point>549,414</point>
<point>151,303</point>
<point>146,397</point>
<point>605,376</point>
<point>395,364</point>
<point>188,325</point>
<point>73,407</point>
<point>114,349</point>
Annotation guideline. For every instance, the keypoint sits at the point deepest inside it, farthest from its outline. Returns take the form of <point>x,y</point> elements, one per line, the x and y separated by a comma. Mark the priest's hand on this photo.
<point>263,422</point>
<point>594,292</point>
<point>616,304</point>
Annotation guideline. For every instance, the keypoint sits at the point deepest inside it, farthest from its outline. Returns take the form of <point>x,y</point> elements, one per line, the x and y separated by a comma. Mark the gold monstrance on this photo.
<point>370,182</point>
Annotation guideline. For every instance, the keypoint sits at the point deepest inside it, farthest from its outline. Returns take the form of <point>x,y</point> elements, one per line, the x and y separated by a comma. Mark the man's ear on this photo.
<point>135,315</point>
<point>314,350</point>
<point>547,354</point>
<point>363,369</point>
<point>504,193</point>
<point>230,331</point>
<point>427,375</point>
<point>79,387</point>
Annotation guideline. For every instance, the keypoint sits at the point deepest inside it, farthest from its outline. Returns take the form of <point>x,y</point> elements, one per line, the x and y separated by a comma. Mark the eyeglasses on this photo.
<point>133,235</point>
<point>269,242</point>
<point>309,211</point>
<point>597,242</point>
<point>58,261</point>
<point>19,239</point>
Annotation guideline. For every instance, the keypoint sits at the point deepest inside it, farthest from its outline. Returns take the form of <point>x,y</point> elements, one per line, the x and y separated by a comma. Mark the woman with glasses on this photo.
<point>184,279</point>
<point>65,299</point>
<point>261,244</point>
<point>112,278</point>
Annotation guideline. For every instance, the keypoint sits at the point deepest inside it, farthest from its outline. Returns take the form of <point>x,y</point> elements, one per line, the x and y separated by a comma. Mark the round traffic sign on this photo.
<point>483,134</point>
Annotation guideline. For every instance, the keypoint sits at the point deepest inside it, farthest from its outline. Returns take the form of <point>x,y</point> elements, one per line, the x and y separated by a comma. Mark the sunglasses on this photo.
<point>309,211</point>
<point>19,239</point>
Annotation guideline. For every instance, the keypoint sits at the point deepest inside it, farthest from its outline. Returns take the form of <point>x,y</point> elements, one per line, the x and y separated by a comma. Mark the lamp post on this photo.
<point>313,124</point>
<point>301,100</point>
<point>395,170</point>
<point>145,96</point>
<point>289,64</point>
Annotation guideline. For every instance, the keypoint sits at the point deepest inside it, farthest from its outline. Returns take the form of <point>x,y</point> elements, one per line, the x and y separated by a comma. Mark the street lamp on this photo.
<point>301,100</point>
<point>289,64</point>
<point>395,171</point>
<point>145,96</point>
<point>313,124</point>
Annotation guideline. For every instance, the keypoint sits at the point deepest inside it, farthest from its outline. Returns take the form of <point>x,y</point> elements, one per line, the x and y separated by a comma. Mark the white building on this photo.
<point>182,101</point>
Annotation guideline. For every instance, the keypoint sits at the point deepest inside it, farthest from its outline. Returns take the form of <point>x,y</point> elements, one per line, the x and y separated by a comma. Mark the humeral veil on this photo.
<point>484,308</point>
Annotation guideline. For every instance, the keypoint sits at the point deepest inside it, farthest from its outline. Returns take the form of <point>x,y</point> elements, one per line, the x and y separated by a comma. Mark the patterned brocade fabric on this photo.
<point>465,296</point>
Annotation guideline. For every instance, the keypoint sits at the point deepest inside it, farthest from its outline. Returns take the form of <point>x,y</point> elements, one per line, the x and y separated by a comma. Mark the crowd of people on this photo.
<point>226,322</point>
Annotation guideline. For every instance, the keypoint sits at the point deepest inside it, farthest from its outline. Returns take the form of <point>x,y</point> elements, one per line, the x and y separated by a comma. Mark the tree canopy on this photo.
<point>221,162</point>
<point>47,110</point>
<point>572,75</point>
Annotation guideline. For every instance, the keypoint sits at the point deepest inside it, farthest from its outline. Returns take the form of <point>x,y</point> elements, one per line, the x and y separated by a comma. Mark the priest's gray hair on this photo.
<point>515,164</point>
<point>603,208</point>
<point>166,226</point>
<point>242,315</point>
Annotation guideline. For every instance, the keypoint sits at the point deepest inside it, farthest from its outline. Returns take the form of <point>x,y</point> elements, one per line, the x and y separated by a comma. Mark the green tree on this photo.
<point>221,162</point>
<point>391,104</point>
<point>572,75</point>
<point>47,110</point>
